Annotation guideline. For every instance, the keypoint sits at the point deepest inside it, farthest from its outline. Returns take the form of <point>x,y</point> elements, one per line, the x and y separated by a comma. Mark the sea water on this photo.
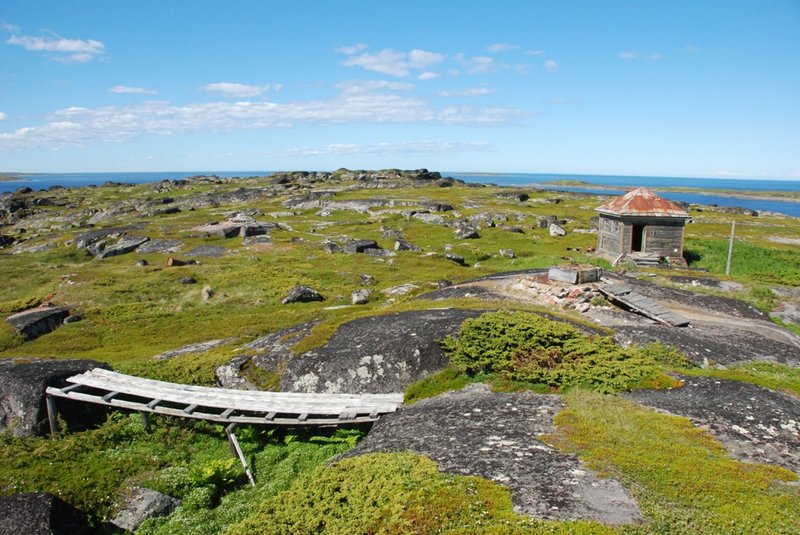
<point>619,184</point>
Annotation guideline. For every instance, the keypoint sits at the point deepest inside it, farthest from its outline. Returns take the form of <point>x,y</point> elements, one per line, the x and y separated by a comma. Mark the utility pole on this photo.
<point>730,248</point>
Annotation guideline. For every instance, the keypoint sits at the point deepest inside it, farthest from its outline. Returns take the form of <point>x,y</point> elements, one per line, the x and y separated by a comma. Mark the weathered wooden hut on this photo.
<point>641,224</point>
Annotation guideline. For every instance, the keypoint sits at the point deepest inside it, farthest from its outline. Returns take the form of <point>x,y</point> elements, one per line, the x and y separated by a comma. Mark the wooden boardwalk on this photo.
<point>624,294</point>
<point>224,405</point>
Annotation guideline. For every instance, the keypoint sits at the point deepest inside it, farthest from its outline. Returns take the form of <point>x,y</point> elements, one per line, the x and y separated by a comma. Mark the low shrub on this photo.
<point>529,348</point>
<point>394,493</point>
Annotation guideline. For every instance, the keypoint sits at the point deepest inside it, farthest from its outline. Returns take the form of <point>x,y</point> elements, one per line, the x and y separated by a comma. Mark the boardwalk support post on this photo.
<point>237,451</point>
<point>51,414</point>
<point>145,420</point>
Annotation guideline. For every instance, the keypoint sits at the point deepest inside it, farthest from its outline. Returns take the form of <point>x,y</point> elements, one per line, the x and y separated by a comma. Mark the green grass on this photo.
<point>756,263</point>
<point>684,481</point>
<point>766,374</point>
<point>394,494</point>
<point>133,313</point>
<point>278,459</point>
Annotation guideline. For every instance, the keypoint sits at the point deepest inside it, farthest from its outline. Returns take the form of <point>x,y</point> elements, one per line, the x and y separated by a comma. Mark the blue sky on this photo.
<point>673,88</point>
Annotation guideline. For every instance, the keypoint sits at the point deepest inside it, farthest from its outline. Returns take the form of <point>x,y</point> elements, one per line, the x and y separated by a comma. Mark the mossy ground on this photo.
<point>682,478</point>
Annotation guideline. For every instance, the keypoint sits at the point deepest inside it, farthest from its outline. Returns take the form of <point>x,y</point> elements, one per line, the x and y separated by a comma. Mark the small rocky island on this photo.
<point>587,406</point>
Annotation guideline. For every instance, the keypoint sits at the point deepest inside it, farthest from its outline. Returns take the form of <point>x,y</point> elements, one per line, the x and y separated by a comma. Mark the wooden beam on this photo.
<point>51,414</point>
<point>239,453</point>
<point>145,420</point>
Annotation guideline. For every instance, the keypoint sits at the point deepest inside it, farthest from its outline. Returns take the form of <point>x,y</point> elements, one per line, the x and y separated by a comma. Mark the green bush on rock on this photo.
<point>394,493</point>
<point>526,347</point>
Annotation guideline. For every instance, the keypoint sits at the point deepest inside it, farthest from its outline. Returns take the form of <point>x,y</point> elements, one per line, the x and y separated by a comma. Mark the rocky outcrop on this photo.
<point>755,424</point>
<point>302,294</point>
<point>160,245</point>
<point>143,503</point>
<point>476,432</point>
<point>38,321</point>
<point>40,513</point>
<point>22,394</point>
<point>378,354</point>
<point>127,244</point>
<point>360,246</point>
<point>518,196</point>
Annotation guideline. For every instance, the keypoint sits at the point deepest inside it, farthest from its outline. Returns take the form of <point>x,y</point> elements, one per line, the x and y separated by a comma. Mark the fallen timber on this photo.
<point>224,406</point>
<point>624,295</point>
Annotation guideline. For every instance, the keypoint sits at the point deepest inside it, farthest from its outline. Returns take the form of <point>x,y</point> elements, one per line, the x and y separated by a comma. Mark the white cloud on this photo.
<point>639,55</point>
<point>78,126</point>
<point>420,59</point>
<point>65,50</point>
<point>691,49</point>
<point>394,63</point>
<point>470,92</point>
<point>428,75</point>
<point>550,65</point>
<point>409,147</point>
<point>10,28</point>
<point>3,116</point>
<point>230,89</point>
<point>122,89</point>
<point>534,52</point>
<point>363,86</point>
<point>476,64</point>
<point>501,47</point>
<point>352,49</point>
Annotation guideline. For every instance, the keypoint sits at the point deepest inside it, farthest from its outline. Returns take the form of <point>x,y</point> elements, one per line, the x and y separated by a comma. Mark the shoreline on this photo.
<point>756,195</point>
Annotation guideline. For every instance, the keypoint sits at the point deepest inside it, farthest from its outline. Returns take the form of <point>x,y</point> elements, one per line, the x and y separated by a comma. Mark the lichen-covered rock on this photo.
<point>160,245</point>
<point>513,195</point>
<point>38,321</point>
<point>360,246</point>
<point>507,253</point>
<point>557,230</point>
<point>127,244</point>
<point>360,297</point>
<point>467,233</point>
<point>379,354</point>
<point>330,246</point>
<point>22,394</point>
<point>40,513</point>
<point>302,294</point>
<point>754,423</point>
<point>458,259</point>
<point>403,245</point>
<point>141,504</point>
<point>477,432</point>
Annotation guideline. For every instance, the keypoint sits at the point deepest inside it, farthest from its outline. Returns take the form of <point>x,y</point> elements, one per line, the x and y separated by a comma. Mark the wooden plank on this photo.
<point>213,417</point>
<point>148,395</point>
<point>200,395</point>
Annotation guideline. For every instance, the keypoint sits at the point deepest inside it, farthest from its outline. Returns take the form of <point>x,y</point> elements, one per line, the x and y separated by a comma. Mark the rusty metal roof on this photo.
<point>642,202</point>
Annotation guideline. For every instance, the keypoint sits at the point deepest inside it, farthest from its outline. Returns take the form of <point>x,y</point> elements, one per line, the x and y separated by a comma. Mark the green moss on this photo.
<point>766,374</point>
<point>394,493</point>
<point>684,481</point>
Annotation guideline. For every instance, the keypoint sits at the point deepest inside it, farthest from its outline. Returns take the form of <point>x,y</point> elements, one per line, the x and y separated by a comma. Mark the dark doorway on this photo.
<point>637,238</point>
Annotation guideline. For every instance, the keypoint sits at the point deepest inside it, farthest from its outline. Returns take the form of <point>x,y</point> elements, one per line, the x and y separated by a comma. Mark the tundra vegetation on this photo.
<point>683,479</point>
